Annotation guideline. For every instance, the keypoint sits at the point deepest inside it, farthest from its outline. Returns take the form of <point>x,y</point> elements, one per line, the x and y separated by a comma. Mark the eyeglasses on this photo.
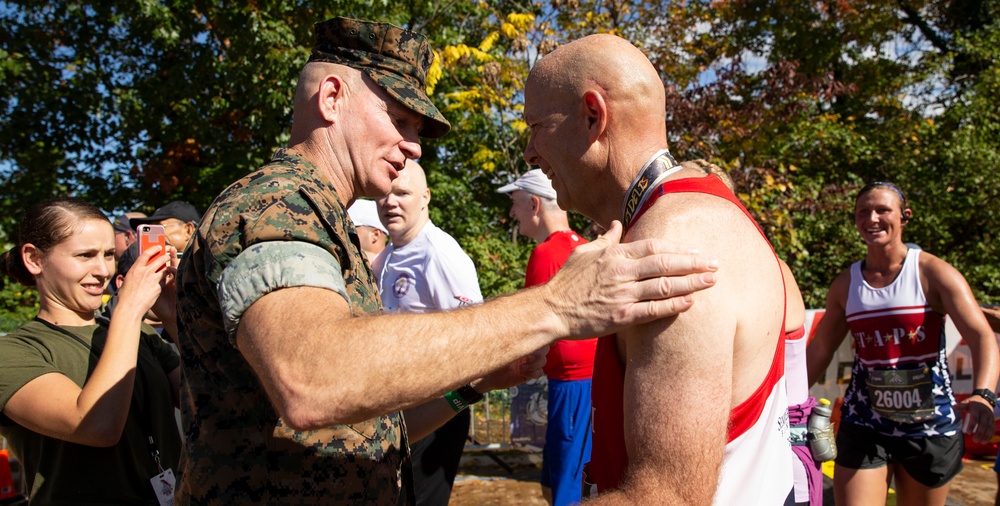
<point>174,223</point>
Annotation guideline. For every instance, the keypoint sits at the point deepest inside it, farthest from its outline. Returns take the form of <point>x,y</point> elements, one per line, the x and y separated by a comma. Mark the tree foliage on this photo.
<point>132,104</point>
<point>896,91</point>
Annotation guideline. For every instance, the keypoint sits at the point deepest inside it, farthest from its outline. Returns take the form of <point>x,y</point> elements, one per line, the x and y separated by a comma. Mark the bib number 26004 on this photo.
<point>907,399</point>
<point>903,396</point>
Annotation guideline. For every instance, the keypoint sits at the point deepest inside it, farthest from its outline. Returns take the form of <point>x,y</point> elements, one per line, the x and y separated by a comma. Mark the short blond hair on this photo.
<point>711,168</point>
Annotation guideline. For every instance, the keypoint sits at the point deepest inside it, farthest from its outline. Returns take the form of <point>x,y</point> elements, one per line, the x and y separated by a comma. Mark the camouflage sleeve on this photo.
<point>268,266</point>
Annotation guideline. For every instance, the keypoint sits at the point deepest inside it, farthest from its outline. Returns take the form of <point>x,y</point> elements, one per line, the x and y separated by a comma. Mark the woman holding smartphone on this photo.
<point>88,405</point>
<point>899,419</point>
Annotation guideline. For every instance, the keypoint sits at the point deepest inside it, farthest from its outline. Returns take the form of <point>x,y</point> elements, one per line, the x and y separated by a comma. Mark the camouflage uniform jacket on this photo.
<point>237,449</point>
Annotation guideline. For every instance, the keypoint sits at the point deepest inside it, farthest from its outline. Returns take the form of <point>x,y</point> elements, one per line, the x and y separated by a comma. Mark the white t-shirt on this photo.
<point>431,272</point>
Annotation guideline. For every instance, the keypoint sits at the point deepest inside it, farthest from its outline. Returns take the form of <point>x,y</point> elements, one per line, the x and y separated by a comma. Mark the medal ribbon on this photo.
<point>661,165</point>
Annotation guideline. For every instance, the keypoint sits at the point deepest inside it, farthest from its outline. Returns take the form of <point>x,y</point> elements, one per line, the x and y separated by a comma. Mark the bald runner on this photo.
<point>688,409</point>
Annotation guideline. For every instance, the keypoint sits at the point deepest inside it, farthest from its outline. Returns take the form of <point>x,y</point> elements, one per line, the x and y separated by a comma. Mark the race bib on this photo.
<point>903,396</point>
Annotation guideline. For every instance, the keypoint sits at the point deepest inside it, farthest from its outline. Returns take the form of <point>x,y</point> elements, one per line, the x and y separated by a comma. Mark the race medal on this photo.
<point>902,395</point>
<point>661,165</point>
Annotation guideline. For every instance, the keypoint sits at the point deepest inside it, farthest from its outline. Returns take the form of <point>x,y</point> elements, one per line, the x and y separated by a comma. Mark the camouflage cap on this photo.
<point>395,58</point>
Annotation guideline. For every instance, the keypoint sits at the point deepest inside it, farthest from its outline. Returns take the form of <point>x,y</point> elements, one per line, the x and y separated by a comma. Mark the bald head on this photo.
<point>596,109</point>
<point>411,177</point>
<point>608,63</point>
<point>405,210</point>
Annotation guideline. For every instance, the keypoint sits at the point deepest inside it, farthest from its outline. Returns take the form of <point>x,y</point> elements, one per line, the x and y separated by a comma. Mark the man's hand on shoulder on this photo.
<point>606,286</point>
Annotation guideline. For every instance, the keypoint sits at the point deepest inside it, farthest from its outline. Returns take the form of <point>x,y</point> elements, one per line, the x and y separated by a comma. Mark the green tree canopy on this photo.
<point>132,104</point>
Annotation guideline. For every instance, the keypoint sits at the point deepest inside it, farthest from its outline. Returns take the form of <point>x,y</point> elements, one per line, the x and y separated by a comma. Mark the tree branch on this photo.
<point>914,18</point>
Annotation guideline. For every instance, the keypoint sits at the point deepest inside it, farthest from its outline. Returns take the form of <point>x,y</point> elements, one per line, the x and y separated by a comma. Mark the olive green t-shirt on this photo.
<point>60,472</point>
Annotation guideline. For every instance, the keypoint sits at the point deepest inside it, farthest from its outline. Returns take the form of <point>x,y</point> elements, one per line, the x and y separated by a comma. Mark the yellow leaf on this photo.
<point>509,30</point>
<point>463,99</point>
<point>488,42</point>
<point>769,179</point>
<point>479,55</point>
<point>792,168</point>
<point>434,73</point>
<point>521,21</point>
<point>452,53</point>
<point>484,156</point>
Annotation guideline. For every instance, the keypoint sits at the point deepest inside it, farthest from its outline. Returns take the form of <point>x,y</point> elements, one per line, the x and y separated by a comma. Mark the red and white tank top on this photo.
<point>900,384</point>
<point>757,467</point>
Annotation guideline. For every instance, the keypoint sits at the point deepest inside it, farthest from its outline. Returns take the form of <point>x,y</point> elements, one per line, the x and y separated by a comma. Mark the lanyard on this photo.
<point>659,166</point>
<point>144,420</point>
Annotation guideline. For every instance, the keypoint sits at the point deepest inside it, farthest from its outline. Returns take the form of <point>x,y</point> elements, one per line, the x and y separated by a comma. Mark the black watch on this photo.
<point>471,396</point>
<point>987,394</point>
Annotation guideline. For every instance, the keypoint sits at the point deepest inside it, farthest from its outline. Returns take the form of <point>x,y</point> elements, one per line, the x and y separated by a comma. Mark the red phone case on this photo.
<point>152,235</point>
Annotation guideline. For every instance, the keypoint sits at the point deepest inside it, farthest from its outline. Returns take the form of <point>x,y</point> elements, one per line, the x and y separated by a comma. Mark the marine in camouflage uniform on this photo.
<point>284,226</point>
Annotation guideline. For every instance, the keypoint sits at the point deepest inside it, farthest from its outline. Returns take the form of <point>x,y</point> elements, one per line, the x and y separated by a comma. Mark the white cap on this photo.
<point>533,182</point>
<point>364,213</point>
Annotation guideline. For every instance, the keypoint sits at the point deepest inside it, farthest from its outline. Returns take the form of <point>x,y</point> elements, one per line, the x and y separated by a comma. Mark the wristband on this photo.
<point>986,394</point>
<point>455,401</point>
<point>469,395</point>
<point>463,398</point>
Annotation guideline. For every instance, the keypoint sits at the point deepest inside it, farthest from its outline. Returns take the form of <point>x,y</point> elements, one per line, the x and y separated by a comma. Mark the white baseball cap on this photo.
<point>364,213</point>
<point>534,182</point>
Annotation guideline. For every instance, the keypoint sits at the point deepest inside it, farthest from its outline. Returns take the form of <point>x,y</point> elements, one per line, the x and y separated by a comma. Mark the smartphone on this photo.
<point>152,235</point>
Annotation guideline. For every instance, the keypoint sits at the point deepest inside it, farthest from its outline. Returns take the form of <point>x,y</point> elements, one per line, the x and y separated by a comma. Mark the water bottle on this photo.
<point>822,443</point>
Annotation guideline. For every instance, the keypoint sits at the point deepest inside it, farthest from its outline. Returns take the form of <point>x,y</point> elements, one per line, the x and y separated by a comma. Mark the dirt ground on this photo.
<point>482,484</point>
<point>975,486</point>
